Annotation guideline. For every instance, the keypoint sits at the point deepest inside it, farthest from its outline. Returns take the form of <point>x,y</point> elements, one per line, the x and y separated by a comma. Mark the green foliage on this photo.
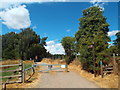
<point>117,43</point>
<point>92,37</point>
<point>37,50</point>
<point>112,49</point>
<point>70,48</point>
<point>24,45</point>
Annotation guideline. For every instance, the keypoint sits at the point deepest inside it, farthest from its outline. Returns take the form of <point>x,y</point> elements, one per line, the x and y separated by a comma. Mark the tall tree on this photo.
<point>92,37</point>
<point>26,39</point>
<point>68,44</point>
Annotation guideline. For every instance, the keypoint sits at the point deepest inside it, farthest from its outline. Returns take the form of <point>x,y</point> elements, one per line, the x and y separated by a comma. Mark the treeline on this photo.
<point>91,40</point>
<point>24,45</point>
<point>56,56</point>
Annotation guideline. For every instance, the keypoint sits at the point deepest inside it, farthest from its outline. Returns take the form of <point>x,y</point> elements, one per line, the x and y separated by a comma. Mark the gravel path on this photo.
<point>64,80</point>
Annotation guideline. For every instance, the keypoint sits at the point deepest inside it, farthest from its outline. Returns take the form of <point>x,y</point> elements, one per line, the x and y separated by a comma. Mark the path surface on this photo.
<point>64,80</point>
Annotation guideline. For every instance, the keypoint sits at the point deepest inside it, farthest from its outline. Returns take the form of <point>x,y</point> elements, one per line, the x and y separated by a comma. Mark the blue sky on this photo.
<point>55,20</point>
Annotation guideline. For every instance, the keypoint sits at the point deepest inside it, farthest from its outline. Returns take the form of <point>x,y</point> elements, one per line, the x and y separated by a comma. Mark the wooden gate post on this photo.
<point>22,72</point>
<point>4,86</point>
<point>114,64</point>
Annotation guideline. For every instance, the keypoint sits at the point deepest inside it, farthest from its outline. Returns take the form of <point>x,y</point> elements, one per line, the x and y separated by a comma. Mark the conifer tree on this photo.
<point>92,38</point>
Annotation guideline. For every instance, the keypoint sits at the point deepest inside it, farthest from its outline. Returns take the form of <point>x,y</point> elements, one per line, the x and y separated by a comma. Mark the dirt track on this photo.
<point>64,80</point>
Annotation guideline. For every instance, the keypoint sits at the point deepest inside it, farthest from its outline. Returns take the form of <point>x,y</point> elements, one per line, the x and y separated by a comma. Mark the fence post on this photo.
<point>101,69</point>
<point>20,68</point>
<point>22,72</point>
<point>114,64</point>
<point>4,86</point>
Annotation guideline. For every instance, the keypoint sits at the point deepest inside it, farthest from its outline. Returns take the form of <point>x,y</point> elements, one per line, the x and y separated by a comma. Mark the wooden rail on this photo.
<point>28,68</point>
<point>33,71</point>
<point>10,65</point>
<point>11,76</point>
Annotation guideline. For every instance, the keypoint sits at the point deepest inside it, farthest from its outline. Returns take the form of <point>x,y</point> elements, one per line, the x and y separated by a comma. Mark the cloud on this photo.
<point>4,5</point>
<point>111,33</point>
<point>68,30</point>
<point>34,27</point>
<point>16,18</point>
<point>54,48</point>
<point>15,15</point>
<point>99,3</point>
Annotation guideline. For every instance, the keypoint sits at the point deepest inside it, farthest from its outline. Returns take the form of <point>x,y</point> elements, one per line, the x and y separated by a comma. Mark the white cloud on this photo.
<point>99,3</point>
<point>111,33</point>
<point>68,30</point>
<point>54,48</point>
<point>34,27</point>
<point>16,18</point>
<point>15,15</point>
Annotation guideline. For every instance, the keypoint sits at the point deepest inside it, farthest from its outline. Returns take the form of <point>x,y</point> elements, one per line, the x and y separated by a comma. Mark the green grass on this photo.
<point>26,65</point>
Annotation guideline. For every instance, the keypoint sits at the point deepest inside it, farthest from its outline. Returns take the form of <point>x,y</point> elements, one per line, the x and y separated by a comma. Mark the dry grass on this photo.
<point>109,81</point>
<point>6,62</point>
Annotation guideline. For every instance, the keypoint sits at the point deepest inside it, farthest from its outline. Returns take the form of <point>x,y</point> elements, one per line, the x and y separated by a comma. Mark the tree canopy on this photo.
<point>24,45</point>
<point>69,46</point>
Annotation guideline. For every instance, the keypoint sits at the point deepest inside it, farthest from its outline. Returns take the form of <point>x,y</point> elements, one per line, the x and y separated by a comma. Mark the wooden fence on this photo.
<point>21,73</point>
<point>115,68</point>
<point>19,69</point>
